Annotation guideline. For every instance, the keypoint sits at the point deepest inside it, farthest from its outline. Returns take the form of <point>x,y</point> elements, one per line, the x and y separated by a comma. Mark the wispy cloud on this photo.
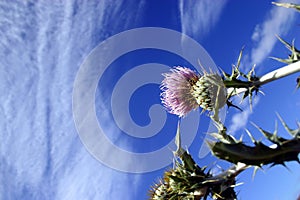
<point>204,13</point>
<point>240,120</point>
<point>277,22</point>
<point>41,155</point>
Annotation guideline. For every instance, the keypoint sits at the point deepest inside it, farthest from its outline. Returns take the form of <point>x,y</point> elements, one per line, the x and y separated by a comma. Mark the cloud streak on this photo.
<point>199,17</point>
<point>277,22</point>
<point>240,119</point>
<point>41,155</point>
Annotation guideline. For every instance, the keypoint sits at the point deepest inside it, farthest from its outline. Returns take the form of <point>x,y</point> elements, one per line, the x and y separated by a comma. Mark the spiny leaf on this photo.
<point>259,154</point>
<point>293,57</point>
<point>271,136</point>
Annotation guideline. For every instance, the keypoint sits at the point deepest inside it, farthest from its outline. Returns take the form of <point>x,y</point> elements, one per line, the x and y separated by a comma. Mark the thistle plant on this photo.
<point>184,89</point>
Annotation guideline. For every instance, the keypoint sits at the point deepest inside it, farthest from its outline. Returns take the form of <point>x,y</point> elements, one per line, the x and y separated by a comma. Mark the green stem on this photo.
<point>237,84</point>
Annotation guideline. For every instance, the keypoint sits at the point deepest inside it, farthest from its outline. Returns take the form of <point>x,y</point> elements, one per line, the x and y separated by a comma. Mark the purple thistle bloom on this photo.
<point>184,90</point>
<point>177,91</point>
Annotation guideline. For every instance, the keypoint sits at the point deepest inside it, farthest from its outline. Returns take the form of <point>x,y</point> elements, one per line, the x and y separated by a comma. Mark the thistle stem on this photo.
<point>237,84</point>
<point>279,73</point>
<point>271,76</point>
<point>230,173</point>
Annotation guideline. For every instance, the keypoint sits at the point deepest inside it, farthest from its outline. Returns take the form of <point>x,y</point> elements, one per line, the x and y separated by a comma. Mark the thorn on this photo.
<point>238,184</point>
<point>203,70</point>
<point>292,132</point>
<point>240,57</point>
<point>210,144</point>
<point>230,104</point>
<point>287,5</point>
<point>284,165</point>
<point>276,129</point>
<point>217,196</point>
<point>256,126</point>
<point>272,165</point>
<point>262,92</point>
<point>179,151</point>
<point>224,73</point>
<point>235,68</point>
<point>250,101</point>
<point>249,75</point>
<point>220,137</point>
<point>251,137</point>
<point>288,46</point>
<point>280,60</point>
<point>229,95</point>
<point>241,138</point>
<point>246,94</point>
<point>256,168</point>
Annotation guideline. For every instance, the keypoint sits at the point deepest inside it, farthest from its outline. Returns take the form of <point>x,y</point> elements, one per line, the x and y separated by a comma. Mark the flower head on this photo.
<point>176,91</point>
<point>184,90</point>
<point>174,184</point>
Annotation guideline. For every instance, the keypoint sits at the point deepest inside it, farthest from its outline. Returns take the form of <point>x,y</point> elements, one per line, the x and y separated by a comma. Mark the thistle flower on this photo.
<point>187,181</point>
<point>180,183</point>
<point>184,90</point>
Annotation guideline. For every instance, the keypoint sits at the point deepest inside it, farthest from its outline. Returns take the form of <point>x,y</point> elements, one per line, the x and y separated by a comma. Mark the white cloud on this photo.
<point>40,153</point>
<point>278,21</point>
<point>256,34</point>
<point>198,17</point>
<point>239,120</point>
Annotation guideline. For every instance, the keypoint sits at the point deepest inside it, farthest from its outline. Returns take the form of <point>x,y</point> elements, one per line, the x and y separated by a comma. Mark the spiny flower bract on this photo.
<point>184,90</point>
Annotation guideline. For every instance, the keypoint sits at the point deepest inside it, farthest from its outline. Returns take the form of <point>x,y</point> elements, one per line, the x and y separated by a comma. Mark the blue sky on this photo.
<point>43,45</point>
